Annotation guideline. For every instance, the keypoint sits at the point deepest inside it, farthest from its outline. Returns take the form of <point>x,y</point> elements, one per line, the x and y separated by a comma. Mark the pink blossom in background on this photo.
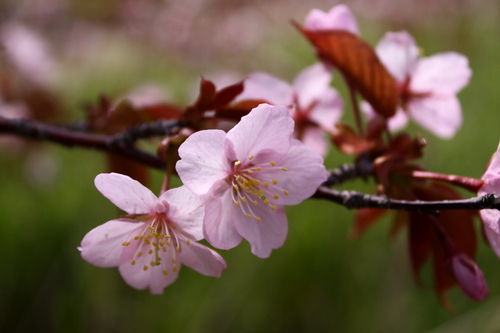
<point>491,217</point>
<point>149,251</point>
<point>247,176</point>
<point>428,86</point>
<point>339,17</point>
<point>314,105</point>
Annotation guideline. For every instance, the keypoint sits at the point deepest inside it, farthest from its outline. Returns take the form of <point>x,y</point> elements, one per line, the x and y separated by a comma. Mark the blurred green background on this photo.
<point>320,280</point>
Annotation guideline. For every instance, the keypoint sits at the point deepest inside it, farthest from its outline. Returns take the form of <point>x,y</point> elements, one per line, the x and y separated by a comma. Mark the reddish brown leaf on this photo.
<point>348,142</point>
<point>207,94</point>
<point>359,64</point>
<point>364,218</point>
<point>226,95</point>
<point>419,242</point>
<point>162,111</point>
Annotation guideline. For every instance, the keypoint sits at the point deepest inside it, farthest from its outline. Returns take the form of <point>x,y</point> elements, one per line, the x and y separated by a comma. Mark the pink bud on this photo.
<point>468,276</point>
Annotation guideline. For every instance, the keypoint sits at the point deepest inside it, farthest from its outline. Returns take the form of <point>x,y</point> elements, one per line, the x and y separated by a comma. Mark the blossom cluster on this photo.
<point>236,183</point>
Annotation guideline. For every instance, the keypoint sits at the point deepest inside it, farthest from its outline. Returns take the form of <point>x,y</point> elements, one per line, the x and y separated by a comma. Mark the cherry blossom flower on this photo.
<point>149,251</point>
<point>314,105</point>
<point>247,176</point>
<point>339,17</point>
<point>491,217</point>
<point>428,86</point>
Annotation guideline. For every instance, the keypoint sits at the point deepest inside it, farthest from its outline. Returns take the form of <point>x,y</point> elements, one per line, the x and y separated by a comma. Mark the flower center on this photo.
<point>158,240</point>
<point>254,185</point>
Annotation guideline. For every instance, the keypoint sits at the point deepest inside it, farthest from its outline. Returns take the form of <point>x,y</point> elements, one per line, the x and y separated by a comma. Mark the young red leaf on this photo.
<point>359,64</point>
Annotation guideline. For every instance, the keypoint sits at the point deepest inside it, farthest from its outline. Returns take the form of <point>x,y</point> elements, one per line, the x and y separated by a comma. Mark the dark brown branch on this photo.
<point>119,144</point>
<point>362,169</point>
<point>357,200</point>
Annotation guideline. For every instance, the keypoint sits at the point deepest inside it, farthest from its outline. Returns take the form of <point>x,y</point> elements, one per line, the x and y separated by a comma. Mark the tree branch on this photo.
<point>362,169</point>
<point>357,200</point>
<point>119,144</point>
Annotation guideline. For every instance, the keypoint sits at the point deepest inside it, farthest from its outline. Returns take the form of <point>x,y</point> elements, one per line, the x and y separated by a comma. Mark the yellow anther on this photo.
<point>259,219</point>
<point>141,236</point>
<point>165,272</point>
<point>273,207</point>
<point>263,197</point>
<point>168,243</point>
<point>255,202</point>
<point>158,263</point>
<point>260,192</point>
<point>285,192</point>
<point>178,249</point>
<point>188,241</point>
<point>238,178</point>
<point>151,236</point>
<point>152,263</point>
<point>284,169</point>
<point>155,244</point>
<point>174,261</point>
<point>249,215</point>
<point>267,202</point>
<point>276,197</point>
<point>237,163</point>
<point>244,199</point>
<point>145,268</point>
<point>236,187</point>
<point>266,184</point>
<point>257,182</point>
<point>237,203</point>
<point>175,268</point>
<point>155,234</point>
<point>272,163</point>
<point>136,237</point>
<point>249,171</point>
<point>162,243</point>
<point>275,182</point>
<point>164,249</point>
<point>139,254</point>
<point>147,241</point>
<point>150,227</point>
<point>125,243</point>
<point>133,262</point>
<point>258,168</point>
<point>167,236</point>
<point>251,157</point>
<point>150,251</point>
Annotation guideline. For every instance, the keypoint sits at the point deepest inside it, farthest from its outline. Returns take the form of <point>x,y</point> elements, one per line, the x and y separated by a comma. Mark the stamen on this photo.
<point>237,163</point>
<point>255,202</point>
<point>139,254</point>
<point>125,243</point>
<point>145,268</point>
<point>272,163</point>
<point>133,262</point>
<point>249,171</point>
<point>165,272</point>
<point>284,169</point>
<point>285,192</point>
<point>276,197</point>
<point>244,199</point>
<point>178,249</point>
<point>150,251</point>
<point>275,182</point>
<point>259,219</point>
<point>266,184</point>
<point>249,215</point>
<point>175,268</point>
<point>258,168</point>
<point>251,157</point>
<point>174,261</point>
<point>237,203</point>
<point>273,207</point>
<point>188,241</point>
<point>236,187</point>
<point>267,202</point>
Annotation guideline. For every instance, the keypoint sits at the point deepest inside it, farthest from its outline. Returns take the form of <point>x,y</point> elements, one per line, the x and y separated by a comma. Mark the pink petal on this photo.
<point>311,83</point>
<point>220,213</point>
<point>127,194</point>
<point>305,173</point>
<point>202,259</point>
<point>185,210</point>
<point>265,87</point>
<point>395,123</point>
<point>139,278</point>
<point>491,220</point>
<point>202,160</point>
<point>266,235</point>
<point>315,138</point>
<point>444,73</point>
<point>440,115</point>
<point>339,17</point>
<point>264,133</point>
<point>102,246</point>
<point>327,110</point>
<point>399,52</point>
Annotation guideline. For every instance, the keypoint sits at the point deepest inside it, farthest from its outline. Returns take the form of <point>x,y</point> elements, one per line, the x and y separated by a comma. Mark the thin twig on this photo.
<point>357,200</point>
